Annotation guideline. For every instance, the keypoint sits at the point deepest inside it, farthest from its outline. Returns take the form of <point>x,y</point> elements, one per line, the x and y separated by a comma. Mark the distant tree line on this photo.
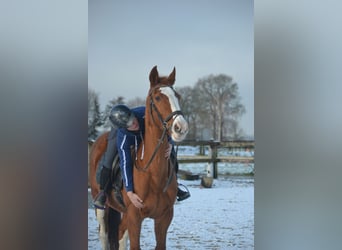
<point>95,117</point>
<point>212,107</point>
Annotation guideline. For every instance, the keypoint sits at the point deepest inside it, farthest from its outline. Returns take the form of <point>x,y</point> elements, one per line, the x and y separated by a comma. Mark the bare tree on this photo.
<point>94,115</point>
<point>137,101</point>
<point>219,101</point>
<point>188,106</point>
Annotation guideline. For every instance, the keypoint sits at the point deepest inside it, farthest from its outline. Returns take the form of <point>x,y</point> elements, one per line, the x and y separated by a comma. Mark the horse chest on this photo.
<point>156,206</point>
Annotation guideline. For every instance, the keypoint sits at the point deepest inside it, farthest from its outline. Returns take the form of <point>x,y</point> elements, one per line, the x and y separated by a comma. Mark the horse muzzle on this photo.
<point>179,129</point>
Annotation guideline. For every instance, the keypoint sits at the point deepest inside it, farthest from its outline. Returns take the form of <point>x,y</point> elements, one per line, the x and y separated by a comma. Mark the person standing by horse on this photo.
<point>128,128</point>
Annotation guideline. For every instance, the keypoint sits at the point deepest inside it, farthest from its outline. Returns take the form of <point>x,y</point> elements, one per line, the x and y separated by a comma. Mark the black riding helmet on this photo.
<point>121,116</point>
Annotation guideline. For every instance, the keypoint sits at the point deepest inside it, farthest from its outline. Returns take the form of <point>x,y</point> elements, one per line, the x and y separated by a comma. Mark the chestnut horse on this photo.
<point>154,178</point>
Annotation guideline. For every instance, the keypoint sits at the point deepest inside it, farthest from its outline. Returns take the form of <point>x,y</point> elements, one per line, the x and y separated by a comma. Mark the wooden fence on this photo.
<point>213,156</point>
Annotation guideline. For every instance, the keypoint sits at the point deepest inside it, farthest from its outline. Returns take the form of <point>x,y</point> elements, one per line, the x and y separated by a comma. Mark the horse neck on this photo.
<point>153,130</point>
<point>152,136</point>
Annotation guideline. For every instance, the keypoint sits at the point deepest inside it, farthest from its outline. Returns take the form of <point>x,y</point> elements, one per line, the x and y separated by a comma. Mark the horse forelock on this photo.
<point>163,80</point>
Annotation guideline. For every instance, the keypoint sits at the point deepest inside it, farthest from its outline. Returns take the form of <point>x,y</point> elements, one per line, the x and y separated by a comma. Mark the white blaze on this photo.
<point>179,126</point>
<point>172,98</point>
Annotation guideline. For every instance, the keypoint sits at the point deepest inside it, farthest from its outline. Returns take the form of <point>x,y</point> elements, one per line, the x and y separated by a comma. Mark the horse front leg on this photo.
<point>123,233</point>
<point>161,226</point>
<point>134,221</point>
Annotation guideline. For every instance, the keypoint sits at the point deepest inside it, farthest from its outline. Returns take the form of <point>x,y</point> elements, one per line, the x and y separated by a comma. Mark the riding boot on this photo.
<point>181,194</point>
<point>117,185</point>
<point>100,199</point>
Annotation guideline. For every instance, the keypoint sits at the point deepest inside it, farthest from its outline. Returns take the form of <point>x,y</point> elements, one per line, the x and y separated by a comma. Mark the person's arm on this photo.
<point>125,161</point>
<point>135,199</point>
<point>126,165</point>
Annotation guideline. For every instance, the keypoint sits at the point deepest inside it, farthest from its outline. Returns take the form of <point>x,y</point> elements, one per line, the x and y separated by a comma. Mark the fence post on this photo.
<point>213,147</point>
<point>201,150</point>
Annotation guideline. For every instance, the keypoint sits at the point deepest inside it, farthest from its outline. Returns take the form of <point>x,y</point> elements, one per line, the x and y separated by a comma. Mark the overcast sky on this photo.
<point>128,38</point>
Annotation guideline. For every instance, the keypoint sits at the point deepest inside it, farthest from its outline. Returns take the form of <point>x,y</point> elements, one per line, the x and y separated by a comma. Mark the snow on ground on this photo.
<point>223,168</point>
<point>221,217</point>
<point>195,150</point>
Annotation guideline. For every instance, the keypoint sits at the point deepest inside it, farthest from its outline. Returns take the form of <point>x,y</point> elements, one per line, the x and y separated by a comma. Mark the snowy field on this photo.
<point>221,217</point>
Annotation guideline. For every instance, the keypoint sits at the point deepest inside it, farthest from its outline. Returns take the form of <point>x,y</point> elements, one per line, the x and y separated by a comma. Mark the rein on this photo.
<point>160,142</point>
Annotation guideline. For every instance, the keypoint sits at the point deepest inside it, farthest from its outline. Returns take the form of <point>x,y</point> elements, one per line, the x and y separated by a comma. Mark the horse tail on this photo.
<point>97,150</point>
<point>113,222</point>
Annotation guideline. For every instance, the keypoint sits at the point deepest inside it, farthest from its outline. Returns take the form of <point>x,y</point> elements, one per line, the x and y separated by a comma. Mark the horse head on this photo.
<point>163,101</point>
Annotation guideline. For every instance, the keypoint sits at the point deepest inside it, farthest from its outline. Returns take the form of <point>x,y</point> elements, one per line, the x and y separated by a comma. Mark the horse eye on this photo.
<point>157,98</point>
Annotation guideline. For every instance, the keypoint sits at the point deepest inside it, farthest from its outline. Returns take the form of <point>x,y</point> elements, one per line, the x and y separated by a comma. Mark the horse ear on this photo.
<point>172,76</point>
<point>154,76</point>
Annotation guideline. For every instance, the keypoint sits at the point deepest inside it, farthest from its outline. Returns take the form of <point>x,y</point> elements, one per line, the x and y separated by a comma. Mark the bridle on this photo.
<point>164,122</point>
<point>154,107</point>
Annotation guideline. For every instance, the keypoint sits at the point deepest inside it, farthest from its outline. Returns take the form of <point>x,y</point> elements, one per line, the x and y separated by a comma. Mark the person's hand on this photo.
<point>135,199</point>
<point>168,151</point>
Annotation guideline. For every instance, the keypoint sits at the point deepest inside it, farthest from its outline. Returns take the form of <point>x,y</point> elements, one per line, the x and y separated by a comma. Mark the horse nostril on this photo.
<point>177,129</point>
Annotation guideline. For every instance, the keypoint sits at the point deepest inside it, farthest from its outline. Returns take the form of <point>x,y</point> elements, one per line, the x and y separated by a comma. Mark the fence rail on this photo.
<point>213,156</point>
